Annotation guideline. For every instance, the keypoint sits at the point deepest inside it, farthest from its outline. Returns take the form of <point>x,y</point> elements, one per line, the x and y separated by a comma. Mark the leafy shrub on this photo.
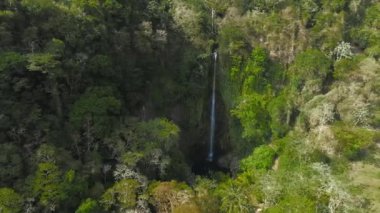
<point>157,133</point>
<point>352,140</point>
<point>294,203</point>
<point>311,64</point>
<point>10,201</point>
<point>279,109</point>
<point>204,190</point>
<point>344,66</point>
<point>88,206</point>
<point>48,185</point>
<point>294,153</point>
<point>334,5</point>
<point>11,61</point>
<point>235,196</point>
<point>261,158</point>
<point>97,106</point>
<point>253,117</point>
<point>121,195</point>
<point>172,196</point>
<point>367,35</point>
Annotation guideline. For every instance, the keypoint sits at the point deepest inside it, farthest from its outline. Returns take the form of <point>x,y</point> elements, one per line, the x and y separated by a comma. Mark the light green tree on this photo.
<point>261,158</point>
<point>88,206</point>
<point>48,185</point>
<point>122,195</point>
<point>10,201</point>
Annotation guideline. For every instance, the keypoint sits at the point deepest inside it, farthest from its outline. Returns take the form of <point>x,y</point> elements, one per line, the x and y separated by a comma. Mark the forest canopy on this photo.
<point>107,105</point>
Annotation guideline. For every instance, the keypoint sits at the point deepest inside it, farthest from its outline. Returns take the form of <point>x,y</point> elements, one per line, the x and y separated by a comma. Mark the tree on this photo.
<point>151,143</point>
<point>309,65</point>
<point>235,197</point>
<point>253,117</point>
<point>352,141</point>
<point>88,206</point>
<point>48,186</point>
<point>169,196</point>
<point>10,201</point>
<point>46,154</point>
<point>11,164</point>
<point>296,204</point>
<point>42,62</point>
<point>156,133</point>
<point>307,74</point>
<point>95,113</point>
<point>254,71</point>
<point>121,196</point>
<point>261,158</point>
<point>47,63</point>
<point>367,34</point>
<point>38,6</point>
<point>10,62</point>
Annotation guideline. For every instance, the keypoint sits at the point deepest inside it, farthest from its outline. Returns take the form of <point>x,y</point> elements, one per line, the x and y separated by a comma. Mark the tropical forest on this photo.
<point>189,106</point>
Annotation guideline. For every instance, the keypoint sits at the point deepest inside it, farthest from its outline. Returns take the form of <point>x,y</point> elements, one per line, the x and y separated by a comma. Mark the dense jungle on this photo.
<point>189,106</point>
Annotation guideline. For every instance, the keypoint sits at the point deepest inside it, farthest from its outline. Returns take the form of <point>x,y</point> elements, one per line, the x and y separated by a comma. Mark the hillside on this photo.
<point>189,106</point>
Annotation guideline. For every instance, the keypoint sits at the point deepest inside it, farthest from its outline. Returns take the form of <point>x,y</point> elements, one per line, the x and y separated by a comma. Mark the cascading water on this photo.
<point>212,115</point>
<point>213,101</point>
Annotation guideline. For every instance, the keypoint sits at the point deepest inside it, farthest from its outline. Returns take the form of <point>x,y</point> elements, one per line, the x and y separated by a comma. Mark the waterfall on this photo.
<point>212,20</point>
<point>212,115</point>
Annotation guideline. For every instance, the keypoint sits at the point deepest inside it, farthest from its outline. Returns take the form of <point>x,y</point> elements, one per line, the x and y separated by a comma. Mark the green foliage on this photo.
<point>253,117</point>
<point>352,140</point>
<point>279,109</point>
<point>254,71</point>
<point>37,6</point>
<point>257,62</point>
<point>265,5</point>
<point>55,47</point>
<point>156,133</point>
<point>122,195</point>
<point>232,36</point>
<point>104,74</point>
<point>235,196</point>
<point>296,204</point>
<point>150,147</point>
<point>42,62</point>
<point>98,107</point>
<point>100,65</point>
<point>261,158</point>
<point>47,185</point>
<point>10,61</point>
<point>328,30</point>
<point>367,35</point>
<point>311,64</point>
<point>46,154</point>
<point>11,164</point>
<point>236,64</point>
<point>168,196</point>
<point>334,5</point>
<point>204,191</point>
<point>10,201</point>
<point>130,159</point>
<point>88,206</point>
<point>291,152</point>
<point>344,66</point>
